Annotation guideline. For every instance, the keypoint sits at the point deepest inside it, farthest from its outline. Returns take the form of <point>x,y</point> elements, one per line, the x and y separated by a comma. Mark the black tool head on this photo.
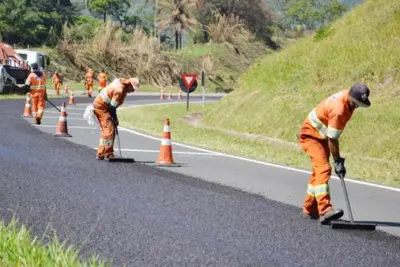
<point>353,226</point>
<point>123,160</point>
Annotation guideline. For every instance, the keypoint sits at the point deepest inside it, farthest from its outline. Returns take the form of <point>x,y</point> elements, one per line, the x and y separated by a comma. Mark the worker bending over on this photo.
<point>102,78</point>
<point>37,88</point>
<point>105,109</point>
<point>318,137</point>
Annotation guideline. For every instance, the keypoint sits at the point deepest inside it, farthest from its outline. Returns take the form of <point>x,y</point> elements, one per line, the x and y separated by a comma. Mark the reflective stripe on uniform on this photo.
<point>38,87</point>
<point>114,103</point>
<point>310,190</point>
<point>106,99</point>
<point>321,190</point>
<point>106,142</point>
<point>333,133</point>
<point>317,124</point>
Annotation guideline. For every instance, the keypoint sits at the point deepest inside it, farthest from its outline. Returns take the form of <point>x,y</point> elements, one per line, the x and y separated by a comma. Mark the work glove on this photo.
<point>45,96</point>
<point>339,167</point>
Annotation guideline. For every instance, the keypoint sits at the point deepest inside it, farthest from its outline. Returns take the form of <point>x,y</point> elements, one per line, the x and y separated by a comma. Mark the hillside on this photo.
<point>276,94</point>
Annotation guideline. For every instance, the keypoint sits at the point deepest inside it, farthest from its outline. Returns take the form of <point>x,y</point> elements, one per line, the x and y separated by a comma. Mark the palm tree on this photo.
<point>176,15</point>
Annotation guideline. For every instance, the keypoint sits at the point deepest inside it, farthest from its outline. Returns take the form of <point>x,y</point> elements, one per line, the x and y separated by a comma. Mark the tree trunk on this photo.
<point>105,17</point>
<point>176,39</point>
<point>180,40</point>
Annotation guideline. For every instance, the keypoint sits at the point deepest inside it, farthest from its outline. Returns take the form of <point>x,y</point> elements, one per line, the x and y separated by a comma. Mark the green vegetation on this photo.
<point>277,93</point>
<point>19,248</point>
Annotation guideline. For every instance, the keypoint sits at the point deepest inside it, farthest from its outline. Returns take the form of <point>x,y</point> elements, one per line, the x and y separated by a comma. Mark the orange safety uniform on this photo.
<point>102,77</point>
<point>56,79</point>
<point>114,94</point>
<point>89,77</point>
<point>37,91</point>
<point>327,119</point>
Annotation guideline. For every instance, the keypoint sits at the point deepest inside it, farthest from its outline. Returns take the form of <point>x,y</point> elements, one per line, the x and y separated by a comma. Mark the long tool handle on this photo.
<point>347,198</point>
<point>53,105</point>
<point>119,142</point>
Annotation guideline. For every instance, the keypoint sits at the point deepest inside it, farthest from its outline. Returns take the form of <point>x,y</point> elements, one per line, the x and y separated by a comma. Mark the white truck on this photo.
<point>34,57</point>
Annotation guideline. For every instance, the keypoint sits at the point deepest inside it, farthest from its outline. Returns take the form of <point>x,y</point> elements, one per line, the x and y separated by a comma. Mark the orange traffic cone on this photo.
<point>28,107</point>
<point>180,94</point>
<point>170,94</point>
<point>71,98</point>
<point>162,94</point>
<point>66,89</point>
<point>62,129</point>
<point>165,157</point>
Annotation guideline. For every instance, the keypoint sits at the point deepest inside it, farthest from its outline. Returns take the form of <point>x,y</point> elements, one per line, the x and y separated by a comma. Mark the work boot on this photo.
<point>331,215</point>
<point>99,157</point>
<point>109,156</point>
<point>39,121</point>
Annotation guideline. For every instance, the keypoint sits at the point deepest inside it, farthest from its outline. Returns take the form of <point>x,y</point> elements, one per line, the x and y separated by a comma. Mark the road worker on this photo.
<point>318,137</point>
<point>102,78</point>
<point>89,77</point>
<point>37,88</point>
<point>57,81</point>
<point>105,109</point>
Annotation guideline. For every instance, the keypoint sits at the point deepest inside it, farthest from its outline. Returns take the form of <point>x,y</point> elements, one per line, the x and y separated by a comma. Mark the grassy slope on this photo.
<point>226,68</point>
<point>276,94</point>
<point>18,248</point>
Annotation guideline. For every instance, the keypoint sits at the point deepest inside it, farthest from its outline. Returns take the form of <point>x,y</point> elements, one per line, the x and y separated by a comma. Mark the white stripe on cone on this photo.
<point>165,142</point>
<point>166,129</point>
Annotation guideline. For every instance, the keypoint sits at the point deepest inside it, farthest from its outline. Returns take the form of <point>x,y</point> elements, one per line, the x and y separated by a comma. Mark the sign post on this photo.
<point>188,84</point>
<point>203,78</point>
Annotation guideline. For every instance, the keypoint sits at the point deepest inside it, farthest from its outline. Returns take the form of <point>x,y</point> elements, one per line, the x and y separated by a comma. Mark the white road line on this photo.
<point>160,104</point>
<point>68,118</point>
<point>232,156</point>
<point>73,108</point>
<point>157,151</point>
<point>57,112</point>
<point>260,162</point>
<point>54,126</point>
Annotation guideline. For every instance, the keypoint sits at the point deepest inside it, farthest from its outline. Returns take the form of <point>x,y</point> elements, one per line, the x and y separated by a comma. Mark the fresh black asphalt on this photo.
<point>143,216</point>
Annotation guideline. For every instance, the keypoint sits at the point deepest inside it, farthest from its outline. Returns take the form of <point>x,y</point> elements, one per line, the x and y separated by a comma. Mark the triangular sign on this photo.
<point>188,79</point>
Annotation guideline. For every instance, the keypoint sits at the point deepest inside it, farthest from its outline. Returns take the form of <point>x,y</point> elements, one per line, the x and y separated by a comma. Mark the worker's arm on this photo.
<point>335,129</point>
<point>334,148</point>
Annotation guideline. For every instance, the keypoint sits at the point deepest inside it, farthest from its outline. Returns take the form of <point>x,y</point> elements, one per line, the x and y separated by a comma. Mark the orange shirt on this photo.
<point>114,94</point>
<point>56,78</point>
<point>89,77</point>
<point>330,116</point>
<point>36,83</point>
<point>102,79</point>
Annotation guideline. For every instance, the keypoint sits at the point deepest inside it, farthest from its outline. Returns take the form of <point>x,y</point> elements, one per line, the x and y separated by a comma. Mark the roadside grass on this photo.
<point>276,94</point>
<point>204,135</point>
<point>19,248</point>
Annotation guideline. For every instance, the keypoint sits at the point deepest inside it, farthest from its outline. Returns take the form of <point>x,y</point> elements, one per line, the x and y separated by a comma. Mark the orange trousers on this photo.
<point>38,103</point>
<point>318,196</point>
<point>106,144</point>
<point>89,88</point>
<point>57,87</point>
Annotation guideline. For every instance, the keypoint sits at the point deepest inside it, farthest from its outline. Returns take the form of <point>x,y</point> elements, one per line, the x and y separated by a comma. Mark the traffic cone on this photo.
<point>71,98</point>
<point>180,94</point>
<point>66,89</point>
<point>170,94</point>
<point>28,107</point>
<point>162,94</point>
<point>165,157</point>
<point>62,129</point>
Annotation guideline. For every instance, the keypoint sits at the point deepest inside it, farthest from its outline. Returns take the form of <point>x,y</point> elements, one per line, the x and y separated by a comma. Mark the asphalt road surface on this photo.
<point>141,215</point>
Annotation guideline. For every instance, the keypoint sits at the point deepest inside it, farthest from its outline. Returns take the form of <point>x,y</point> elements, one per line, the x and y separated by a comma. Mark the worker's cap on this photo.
<point>359,94</point>
<point>35,66</point>
<point>135,83</point>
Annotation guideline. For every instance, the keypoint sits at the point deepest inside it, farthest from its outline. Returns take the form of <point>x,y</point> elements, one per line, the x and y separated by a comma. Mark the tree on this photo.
<point>108,7</point>
<point>176,15</point>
